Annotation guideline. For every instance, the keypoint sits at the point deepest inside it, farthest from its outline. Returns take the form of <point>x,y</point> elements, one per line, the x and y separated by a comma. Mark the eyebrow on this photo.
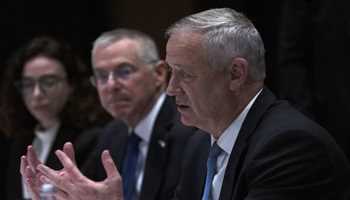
<point>118,66</point>
<point>43,75</point>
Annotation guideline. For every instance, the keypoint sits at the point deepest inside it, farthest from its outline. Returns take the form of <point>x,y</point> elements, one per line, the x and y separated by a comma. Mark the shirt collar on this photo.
<point>145,127</point>
<point>228,138</point>
<point>47,135</point>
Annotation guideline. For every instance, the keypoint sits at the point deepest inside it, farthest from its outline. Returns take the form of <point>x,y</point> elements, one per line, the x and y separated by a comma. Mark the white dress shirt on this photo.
<point>144,130</point>
<point>226,142</point>
<point>46,139</point>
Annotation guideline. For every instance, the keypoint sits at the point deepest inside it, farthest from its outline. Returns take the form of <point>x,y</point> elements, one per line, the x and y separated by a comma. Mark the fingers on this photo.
<point>24,164</point>
<point>48,172</point>
<point>30,183</point>
<point>32,159</point>
<point>68,149</point>
<point>61,195</point>
<point>44,179</point>
<point>68,164</point>
<point>108,164</point>
<point>56,178</point>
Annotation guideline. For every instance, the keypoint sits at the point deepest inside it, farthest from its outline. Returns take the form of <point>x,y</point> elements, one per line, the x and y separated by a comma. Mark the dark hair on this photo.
<point>14,115</point>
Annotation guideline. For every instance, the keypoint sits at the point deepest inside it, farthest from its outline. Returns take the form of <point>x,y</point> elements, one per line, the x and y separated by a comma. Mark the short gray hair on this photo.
<point>148,51</point>
<point>226,34</point>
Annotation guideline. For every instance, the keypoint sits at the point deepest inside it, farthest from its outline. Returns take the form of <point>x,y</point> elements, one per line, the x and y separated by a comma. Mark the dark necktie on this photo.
<point>130,166</point>
<point>215,151</point>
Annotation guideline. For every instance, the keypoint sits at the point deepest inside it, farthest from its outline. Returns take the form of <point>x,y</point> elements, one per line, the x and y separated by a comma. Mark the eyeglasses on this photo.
<point>46,83</point>
<point>123,72</point>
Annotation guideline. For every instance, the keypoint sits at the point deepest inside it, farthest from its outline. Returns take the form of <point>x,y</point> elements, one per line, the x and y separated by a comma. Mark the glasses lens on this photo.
<point>123,71</point>
<point>25,85</point>
<point>46,83</point>
<point>49,82</point>
<point>101,76</point>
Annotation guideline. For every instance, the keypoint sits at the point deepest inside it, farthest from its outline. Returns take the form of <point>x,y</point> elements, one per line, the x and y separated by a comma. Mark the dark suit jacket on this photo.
<point>279,155</point>
<point>84,142</point>
<point>163,164</point>
<point>4,158</point>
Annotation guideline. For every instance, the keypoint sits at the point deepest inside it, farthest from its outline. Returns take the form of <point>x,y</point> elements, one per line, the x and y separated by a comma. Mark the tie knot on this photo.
<point>133,138</point>
<point>215,150</point>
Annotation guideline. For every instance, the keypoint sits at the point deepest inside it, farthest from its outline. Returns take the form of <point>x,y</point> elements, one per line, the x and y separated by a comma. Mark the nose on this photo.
<point>37,90</point>
<point>112,82</point>
<point>173,88</point>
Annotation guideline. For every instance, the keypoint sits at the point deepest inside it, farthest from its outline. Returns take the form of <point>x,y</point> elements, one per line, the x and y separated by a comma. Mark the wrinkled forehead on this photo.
<point>185,49</point>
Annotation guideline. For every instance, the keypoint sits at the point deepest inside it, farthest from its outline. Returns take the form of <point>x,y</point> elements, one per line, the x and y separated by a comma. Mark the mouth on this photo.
<point>39,106</point>
<point>114,100</point>
<point>119,102</point>
<point>182,107</point>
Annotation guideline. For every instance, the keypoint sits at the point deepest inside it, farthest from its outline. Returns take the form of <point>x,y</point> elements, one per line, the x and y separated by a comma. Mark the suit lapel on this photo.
<point>64,134</point>
<point>14,178</point>
<point>264,100</point>
<point>204,154</point>
<point>119,144</point>
<point>157,152</point>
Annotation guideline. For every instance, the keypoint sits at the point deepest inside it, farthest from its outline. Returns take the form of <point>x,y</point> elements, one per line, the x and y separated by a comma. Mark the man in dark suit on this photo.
<point>166,146</point>
<point>267,150</point>
<point>130,80</point>
<point>260,148</point>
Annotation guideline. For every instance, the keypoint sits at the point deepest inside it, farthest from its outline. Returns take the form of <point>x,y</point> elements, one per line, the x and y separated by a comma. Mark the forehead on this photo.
<point>110,56</point>
<point>41,65</point>
<point>185,49</point>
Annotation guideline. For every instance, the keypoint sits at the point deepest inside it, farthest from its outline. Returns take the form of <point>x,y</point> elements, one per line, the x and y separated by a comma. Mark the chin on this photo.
<point>187,121</point>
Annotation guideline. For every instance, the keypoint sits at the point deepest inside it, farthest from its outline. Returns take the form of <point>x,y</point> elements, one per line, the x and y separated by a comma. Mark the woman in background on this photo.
<point>46,102</point>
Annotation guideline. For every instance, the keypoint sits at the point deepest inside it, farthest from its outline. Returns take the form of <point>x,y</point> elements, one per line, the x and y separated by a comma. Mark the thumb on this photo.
<point>109,166</point>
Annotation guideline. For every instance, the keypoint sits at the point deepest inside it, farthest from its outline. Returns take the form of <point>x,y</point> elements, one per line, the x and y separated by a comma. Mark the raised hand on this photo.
<point>31,175</point>
<point>29,162</point>
<point>73,185</point>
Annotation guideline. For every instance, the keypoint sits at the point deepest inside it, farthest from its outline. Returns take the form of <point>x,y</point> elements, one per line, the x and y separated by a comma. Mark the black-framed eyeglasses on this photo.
<point>122,72</point>
<point>46,83</point>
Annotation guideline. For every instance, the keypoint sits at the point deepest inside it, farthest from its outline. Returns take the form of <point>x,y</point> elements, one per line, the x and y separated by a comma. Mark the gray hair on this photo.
<point>226,34</point>
<point>147,52</point>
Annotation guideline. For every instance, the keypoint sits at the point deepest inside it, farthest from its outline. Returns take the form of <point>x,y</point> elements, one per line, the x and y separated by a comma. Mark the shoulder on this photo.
<point>287,144</point>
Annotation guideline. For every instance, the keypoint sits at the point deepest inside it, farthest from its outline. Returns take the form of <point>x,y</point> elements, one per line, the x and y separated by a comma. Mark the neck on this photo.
<point>135,119</point>
<point>48,124</point>
<point>231,111</point>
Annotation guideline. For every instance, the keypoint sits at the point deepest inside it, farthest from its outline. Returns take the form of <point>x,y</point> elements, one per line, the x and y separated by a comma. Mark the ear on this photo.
<point>238,73</point>
<point>161,72</point>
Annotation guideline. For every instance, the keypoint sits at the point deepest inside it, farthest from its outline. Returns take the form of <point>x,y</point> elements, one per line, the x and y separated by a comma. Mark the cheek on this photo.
<point>102,96</point>
<point>26,102</point>
<point>57,106</point>
<point>201,99</point>
<point>59,100</point>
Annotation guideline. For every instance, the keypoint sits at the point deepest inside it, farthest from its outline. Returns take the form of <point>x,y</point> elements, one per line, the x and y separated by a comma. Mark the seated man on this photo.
<point>146,139</point>
<point>260,148</point>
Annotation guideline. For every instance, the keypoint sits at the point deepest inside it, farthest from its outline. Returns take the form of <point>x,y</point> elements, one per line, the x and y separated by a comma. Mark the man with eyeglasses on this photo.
<point>260,147</point>
<point>146,140</point>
